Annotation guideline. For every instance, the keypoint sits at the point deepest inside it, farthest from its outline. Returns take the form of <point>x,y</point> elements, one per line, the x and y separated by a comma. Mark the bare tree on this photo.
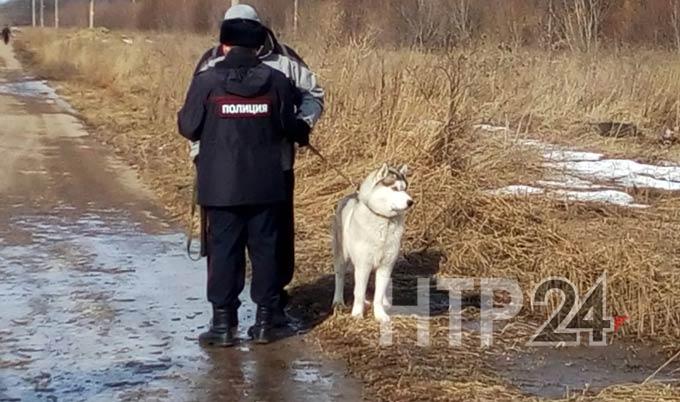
<point>461,20</point>
<point>675,22</point>
<point>438,22</point>
<point>33,12</point>
<point>421,21</point>
<point>296,14</point>
<point>42,13</point>
<point>91,14</point>
<point>56,13</point>
<point>579,22</point>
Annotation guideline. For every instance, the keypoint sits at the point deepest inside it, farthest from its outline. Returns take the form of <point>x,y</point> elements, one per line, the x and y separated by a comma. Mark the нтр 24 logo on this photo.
<point>574,317</point>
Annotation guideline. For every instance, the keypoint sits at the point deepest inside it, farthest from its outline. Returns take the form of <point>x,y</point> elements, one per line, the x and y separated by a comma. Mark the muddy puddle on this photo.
<point>95,308</point>
<point>553,372</point>
<point>559,372</point>
<point>28,87</point>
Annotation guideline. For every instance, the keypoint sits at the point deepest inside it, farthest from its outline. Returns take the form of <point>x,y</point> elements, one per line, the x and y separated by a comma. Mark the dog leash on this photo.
<point>194,204</point>
<point>190,227</point>
<point>316,152</point>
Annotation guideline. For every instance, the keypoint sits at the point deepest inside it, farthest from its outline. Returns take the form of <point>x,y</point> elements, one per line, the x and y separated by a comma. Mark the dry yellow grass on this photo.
<point>419,108</point>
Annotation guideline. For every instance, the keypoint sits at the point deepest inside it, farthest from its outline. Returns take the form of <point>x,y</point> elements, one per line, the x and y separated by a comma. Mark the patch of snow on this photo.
<point>566,181</point>
<point>624,173</point>
<point>650,182</point>
<point>491,128</point>
<point>560,155</point>
<point>590,176</point>
<point>518,190</point>
<point>605,196</point>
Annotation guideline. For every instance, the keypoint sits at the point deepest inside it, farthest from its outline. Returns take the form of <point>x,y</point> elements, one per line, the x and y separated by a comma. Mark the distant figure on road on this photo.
<point>6,33</point>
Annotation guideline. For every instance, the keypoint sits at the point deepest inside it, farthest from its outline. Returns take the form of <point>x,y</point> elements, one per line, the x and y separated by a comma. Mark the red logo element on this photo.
<point>619,320</point>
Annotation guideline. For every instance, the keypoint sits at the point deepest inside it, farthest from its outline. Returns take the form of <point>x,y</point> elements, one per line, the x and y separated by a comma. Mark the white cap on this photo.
<point>242,12</point>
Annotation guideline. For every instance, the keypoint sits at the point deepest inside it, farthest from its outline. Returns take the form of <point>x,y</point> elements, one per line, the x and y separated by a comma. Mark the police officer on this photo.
<point>310,106</point>
<point>240,110</point>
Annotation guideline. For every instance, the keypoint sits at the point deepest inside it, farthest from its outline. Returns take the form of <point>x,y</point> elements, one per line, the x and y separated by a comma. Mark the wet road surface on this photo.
<point>97,300</point>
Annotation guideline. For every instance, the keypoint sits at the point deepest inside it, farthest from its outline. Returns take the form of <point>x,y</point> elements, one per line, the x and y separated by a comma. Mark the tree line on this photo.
<point>558,24</point>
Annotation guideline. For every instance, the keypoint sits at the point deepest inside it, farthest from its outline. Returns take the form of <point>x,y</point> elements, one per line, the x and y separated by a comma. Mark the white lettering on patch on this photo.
<point>245,109</point>
<point>236,107</point>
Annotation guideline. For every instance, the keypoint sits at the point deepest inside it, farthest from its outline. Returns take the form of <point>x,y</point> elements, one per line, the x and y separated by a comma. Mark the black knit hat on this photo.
<point>244,33</point>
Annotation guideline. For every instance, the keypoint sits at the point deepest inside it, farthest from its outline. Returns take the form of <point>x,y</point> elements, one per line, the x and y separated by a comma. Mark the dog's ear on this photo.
<point>404,170</point>
<point>383,172</point>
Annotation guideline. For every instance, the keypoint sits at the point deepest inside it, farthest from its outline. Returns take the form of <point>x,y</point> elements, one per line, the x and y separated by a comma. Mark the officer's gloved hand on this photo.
<point>302,131</point>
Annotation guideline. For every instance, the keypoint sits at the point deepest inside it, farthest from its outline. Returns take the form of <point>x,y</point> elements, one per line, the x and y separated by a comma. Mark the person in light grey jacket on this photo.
<point>309,108</point>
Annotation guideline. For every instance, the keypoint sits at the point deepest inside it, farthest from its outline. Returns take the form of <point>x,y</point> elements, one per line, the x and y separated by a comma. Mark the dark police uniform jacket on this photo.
<point>240,111</point>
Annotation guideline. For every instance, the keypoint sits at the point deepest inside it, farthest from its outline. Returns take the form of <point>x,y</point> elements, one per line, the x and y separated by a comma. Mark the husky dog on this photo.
<point>367,234</point>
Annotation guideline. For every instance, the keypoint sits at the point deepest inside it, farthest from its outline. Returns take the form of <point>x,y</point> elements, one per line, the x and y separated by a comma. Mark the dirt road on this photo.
<point>99,303</point>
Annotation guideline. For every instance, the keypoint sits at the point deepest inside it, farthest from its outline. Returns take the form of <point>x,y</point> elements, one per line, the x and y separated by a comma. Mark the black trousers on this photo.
<point>230,231</point>
<point>286,244</point>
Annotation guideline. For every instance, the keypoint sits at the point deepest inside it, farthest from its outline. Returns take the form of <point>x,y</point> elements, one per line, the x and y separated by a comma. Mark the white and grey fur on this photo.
<point>367,232</point>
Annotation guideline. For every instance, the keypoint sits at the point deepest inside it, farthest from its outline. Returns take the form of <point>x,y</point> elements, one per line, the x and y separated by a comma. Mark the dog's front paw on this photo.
<point>386,304</point>
<point>357,312</point>
<point>339,305</point>
<point>381,316</point>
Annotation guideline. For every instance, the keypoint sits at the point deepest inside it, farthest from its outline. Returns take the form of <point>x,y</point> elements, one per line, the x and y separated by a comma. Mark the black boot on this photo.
<point>262,331</point>
<point>284,298</point>
<point>279,317</point>
<point>222,329</point>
